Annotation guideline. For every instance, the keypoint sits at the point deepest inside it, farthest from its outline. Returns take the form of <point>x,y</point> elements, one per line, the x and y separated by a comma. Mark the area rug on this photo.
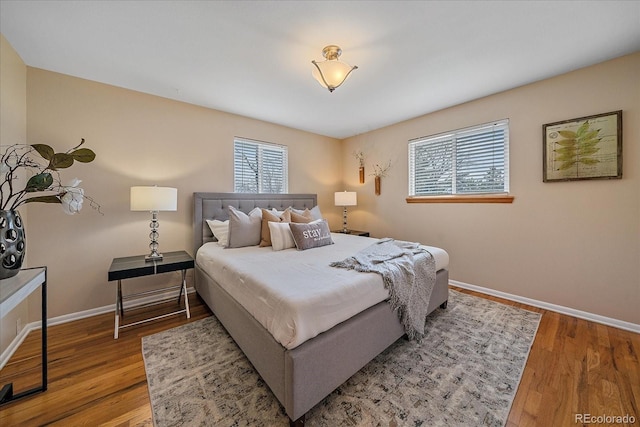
<point>464,372</point>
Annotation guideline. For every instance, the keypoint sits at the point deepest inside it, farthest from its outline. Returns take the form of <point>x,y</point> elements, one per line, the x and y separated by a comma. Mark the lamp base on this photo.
<point>344,220</point>
<point>153,257</point>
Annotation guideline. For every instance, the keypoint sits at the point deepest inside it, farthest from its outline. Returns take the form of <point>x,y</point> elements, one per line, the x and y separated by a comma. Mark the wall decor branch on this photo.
<point>379,172</point>
<point>359,155</point>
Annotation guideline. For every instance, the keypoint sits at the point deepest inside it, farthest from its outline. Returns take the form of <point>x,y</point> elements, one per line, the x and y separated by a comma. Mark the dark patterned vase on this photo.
<point>12,243</point>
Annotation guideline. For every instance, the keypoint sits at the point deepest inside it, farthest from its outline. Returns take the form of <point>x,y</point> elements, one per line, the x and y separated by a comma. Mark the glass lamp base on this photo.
<point>153,257</point>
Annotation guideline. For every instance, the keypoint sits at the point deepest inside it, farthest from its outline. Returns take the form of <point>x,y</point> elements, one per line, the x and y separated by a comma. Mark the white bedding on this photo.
<point>295,294</point>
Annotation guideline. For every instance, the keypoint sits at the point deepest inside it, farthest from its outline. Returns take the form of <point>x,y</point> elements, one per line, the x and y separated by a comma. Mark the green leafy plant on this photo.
<point>42,164</point>
<point>577,147</point>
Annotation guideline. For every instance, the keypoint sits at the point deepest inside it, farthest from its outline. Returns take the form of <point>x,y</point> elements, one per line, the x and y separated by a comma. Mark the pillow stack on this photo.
<point>279,231</point>
<point>291,228</point>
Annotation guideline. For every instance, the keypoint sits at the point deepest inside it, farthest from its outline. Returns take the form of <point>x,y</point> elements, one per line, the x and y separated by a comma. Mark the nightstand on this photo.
<point>136,266</point>
<point>354,232</point>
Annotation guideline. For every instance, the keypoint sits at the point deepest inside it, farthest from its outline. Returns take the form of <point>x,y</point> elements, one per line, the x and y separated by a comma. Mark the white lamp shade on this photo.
<point>334,72</point>
<point>346,198</point>
<point>154,199</point>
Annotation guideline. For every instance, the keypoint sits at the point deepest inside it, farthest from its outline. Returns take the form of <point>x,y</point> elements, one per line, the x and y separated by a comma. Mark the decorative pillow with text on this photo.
<point>313,235</point>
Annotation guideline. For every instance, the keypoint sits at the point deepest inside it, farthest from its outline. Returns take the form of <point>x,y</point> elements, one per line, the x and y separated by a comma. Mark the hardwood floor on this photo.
<point>575,367</point>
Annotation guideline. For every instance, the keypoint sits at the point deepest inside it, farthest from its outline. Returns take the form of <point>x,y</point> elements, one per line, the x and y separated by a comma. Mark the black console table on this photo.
<point>13,291</point>
<point>137,266</point>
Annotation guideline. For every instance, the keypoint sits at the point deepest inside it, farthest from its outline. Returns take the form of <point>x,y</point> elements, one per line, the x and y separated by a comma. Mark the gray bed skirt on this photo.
<point>301,377</point>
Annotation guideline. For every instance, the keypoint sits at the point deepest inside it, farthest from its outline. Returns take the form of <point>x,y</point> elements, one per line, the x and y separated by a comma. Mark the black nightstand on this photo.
<point>354,232</point>
<point>136,266</point>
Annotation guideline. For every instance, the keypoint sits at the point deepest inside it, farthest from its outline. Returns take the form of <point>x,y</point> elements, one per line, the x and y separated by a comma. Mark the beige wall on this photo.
<point>13,130</point>
<point>575,244</point>
<point>141,139</point>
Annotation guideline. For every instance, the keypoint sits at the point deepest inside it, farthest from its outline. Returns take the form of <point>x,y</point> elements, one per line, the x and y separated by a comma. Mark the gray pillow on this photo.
<point>244,230</point>
<point>312,235</point>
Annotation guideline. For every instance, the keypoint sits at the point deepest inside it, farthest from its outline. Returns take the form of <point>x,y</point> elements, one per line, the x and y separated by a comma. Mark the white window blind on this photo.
<point>473,160</point>
<point>259,167</point>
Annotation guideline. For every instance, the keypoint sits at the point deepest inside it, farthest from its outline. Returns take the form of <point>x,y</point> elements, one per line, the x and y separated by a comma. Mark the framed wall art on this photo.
<point>583,148</point>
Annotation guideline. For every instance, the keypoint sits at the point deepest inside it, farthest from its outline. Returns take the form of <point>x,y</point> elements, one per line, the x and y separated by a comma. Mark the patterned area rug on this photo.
<point>464,372</point>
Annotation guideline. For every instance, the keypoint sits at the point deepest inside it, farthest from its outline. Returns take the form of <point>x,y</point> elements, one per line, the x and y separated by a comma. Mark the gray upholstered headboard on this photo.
<point>216,205</point>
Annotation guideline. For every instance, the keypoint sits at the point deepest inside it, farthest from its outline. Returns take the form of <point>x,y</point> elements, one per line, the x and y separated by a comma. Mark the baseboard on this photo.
<point>609,321</point>
<point>13,345</point>
<point>58,320</point>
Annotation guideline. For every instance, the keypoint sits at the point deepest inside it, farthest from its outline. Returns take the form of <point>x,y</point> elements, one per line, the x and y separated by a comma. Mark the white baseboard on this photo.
<point>609,321</point>
<point>58,320</point>
<point>13,345</point>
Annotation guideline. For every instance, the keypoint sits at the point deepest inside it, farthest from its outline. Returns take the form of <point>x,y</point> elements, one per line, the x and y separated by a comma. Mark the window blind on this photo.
<point>473,160</point>
<point>259,167</point>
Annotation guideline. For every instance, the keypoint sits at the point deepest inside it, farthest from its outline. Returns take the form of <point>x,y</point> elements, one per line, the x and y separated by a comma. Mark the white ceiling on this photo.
<point>253,58</point>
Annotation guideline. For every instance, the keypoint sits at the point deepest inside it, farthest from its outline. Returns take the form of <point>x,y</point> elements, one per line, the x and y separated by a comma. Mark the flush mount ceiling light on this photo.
<point>331,73</point>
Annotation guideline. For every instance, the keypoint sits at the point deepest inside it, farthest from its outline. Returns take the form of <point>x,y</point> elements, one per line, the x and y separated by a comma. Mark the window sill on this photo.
<point>493,198</point>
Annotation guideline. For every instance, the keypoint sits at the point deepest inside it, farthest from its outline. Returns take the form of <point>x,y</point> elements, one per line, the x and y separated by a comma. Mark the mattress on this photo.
<point>294,294</point>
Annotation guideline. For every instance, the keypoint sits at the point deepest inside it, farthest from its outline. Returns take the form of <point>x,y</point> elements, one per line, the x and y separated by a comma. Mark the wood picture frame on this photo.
<point>584,148</point>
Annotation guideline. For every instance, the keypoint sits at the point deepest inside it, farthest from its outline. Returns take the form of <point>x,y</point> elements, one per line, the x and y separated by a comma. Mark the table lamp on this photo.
<point>344,199</point>
<point>154,199</point>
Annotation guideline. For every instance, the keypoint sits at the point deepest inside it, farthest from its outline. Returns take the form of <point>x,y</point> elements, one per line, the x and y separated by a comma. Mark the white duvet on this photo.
<point>295,294</point>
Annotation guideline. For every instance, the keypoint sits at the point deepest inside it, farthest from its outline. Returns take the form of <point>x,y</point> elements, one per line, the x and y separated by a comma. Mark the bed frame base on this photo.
<point>303,376</point>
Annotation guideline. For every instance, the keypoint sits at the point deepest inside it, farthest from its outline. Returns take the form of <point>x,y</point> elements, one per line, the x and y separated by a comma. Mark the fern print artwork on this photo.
<point>577,147</point>
<point>585,148</point>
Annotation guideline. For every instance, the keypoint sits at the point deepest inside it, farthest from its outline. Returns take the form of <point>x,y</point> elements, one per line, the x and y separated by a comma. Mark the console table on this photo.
<point>137,266</point>
<point>13,291</point>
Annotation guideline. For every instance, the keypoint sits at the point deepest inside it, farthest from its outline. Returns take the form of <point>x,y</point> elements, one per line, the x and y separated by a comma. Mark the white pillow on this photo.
<point>220,230</point>
<point>281,237</point>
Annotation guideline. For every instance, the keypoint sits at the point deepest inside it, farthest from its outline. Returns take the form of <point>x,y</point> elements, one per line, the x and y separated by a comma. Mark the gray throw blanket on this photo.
<point>409,274</point>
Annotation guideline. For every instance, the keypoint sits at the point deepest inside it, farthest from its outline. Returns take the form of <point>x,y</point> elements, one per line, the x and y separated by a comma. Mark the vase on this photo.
<point>361,174</point>
<point>12,243</point>
<point>377,185</point>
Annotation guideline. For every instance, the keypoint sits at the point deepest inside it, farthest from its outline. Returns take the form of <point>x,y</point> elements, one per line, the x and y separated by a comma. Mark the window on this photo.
<point>259,167</point>
<point>471,161</point>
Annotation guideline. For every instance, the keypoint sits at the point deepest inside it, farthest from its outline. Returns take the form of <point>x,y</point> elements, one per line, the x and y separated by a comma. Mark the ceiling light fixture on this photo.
<point>331,73</point>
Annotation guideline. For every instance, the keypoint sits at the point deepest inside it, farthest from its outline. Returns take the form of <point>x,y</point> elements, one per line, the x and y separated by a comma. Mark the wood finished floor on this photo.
<point>575,367</point>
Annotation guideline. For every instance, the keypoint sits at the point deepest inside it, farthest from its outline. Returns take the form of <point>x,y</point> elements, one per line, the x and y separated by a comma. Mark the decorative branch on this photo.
<point>381,171</point>
<point>43,163</point>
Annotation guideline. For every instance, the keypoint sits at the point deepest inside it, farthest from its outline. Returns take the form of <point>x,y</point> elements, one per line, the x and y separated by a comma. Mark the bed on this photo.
<point>302,372</point>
